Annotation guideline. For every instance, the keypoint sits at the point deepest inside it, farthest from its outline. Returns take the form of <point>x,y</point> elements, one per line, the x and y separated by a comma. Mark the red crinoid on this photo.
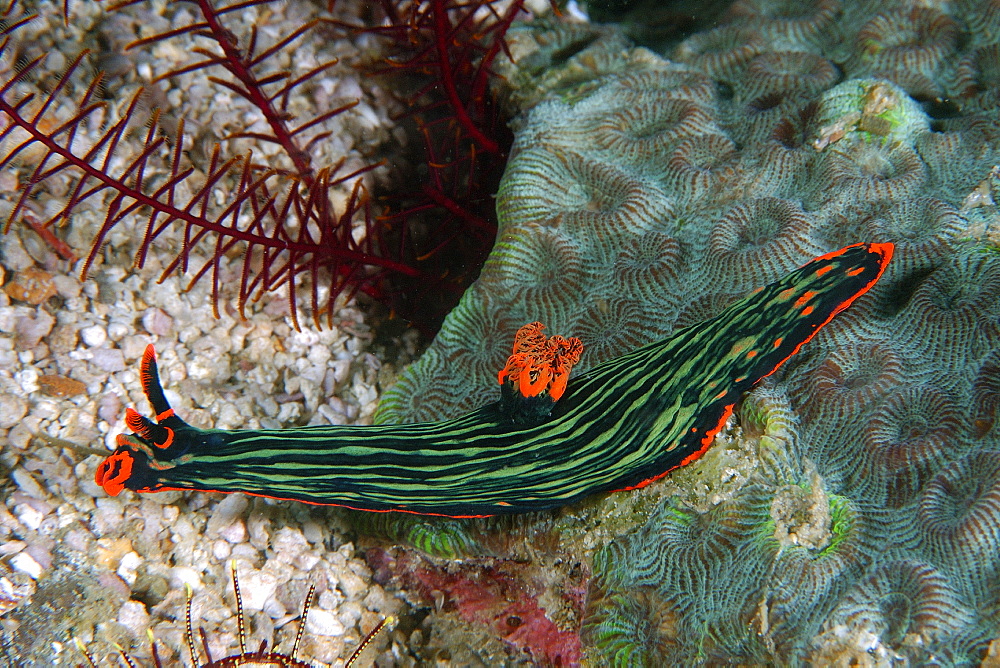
<point>439,57</point>
<point>279,218</point>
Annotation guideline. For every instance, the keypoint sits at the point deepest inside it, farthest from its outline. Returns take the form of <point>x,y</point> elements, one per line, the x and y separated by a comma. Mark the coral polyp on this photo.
<point>486,354</point>
<point>648,267</point>
<point>634,629</point>
<point>721,53</point>
<point>910,606</point>
<point>978,72</point>
<point>786,73</point>
<point>542,266</point>
<point>801,23</point>
<point>891,173</point>
<point>649,127</point>
<point>959,521</point>
<point>907,46</point>
<point>701,165</point>
<point>906,436</point>
<point>689,560</point>
<point>955,308</point>
<point>581,192</point>
<point>614,324</point>
<point>986,395</point>
<point>926,228</point>
<point>760,239</point>
<point>853,378</point>
<point>669,82</point>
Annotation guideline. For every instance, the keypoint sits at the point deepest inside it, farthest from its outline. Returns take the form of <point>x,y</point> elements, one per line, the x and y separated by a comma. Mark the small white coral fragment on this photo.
<point>982,194</point>
<point>14,590</point>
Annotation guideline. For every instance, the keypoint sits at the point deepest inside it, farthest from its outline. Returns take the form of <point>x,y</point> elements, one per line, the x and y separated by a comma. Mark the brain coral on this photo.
<point>644,192</point>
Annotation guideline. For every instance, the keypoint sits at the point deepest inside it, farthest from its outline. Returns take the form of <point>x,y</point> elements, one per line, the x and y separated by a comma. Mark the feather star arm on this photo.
<point>620,425</point>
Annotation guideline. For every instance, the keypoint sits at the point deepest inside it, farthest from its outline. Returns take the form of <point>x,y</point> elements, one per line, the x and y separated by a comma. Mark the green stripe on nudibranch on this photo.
<point>620,425</point>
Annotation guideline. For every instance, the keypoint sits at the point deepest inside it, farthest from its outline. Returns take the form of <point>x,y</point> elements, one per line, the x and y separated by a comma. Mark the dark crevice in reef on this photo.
<point>895,296</point>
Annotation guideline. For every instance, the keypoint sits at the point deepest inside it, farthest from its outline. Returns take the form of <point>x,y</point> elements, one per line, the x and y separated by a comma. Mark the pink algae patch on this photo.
<point>499,595</point>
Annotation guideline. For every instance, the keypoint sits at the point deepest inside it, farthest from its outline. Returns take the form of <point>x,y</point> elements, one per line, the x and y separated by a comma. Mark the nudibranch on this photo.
<point>550,441</point>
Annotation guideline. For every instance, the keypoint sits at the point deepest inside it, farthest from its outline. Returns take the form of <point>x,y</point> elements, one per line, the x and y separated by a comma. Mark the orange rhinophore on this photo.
<point>539,365</point>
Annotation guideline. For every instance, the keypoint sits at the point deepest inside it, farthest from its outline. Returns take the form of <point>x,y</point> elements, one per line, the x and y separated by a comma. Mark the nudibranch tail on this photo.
<point>620,425</point>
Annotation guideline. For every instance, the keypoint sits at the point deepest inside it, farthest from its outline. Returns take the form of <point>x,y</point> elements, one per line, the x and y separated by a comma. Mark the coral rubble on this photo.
<point>644,192</point>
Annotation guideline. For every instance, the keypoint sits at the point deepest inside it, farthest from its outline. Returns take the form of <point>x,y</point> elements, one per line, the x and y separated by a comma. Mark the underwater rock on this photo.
<point>643,194</point>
